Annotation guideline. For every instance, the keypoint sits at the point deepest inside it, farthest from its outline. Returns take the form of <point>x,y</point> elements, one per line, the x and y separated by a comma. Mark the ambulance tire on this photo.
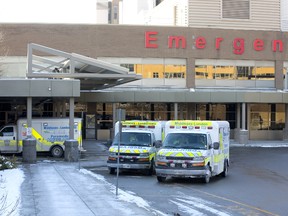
<point>161,179</point>
<point>151,170</point>
<point>225,170</point>
<point>206,179</point>
<point>112,170</point>
<point>57,151</point>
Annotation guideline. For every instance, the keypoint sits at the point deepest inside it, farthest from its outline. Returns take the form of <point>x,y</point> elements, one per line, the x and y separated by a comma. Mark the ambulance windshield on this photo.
<point>133,139</point>
<point>186,140</point>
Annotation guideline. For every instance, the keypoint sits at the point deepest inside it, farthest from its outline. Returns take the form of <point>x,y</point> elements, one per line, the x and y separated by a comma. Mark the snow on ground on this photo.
<point>126,196</point>
<point>10,184</point>
<point>196,206</point>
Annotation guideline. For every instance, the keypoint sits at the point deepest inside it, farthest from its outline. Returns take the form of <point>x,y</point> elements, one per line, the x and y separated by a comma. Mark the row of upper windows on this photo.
<point>203,71</point>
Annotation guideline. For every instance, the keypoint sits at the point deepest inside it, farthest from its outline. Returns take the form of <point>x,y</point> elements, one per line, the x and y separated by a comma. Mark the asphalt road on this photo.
<point>256,185</point>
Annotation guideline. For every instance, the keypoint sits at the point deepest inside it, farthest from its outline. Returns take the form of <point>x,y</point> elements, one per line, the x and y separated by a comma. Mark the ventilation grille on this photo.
<point>236,9</point>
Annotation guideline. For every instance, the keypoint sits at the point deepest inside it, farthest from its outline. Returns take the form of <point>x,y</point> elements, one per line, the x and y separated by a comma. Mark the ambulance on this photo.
<point>139,141</point>
<point>50,134</point>
<point>194,149</point>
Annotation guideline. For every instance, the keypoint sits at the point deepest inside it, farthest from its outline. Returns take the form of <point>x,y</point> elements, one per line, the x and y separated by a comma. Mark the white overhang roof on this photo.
<point>94,74</point>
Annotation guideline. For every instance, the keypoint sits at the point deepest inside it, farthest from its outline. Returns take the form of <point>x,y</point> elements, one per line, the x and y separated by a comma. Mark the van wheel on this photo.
<point>161,179</point>
<point>225,170</point>
<point>151,170</point>
<point>207,177</point>
<point>111,170</point>
<point>57,151</point>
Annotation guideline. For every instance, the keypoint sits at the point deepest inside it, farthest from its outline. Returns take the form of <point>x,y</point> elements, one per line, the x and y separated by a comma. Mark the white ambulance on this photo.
<point>138,145</point>
<point>50,134</point>
<point>194,149</point>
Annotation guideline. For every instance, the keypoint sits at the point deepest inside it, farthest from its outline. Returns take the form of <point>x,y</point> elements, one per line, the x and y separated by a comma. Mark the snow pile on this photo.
<point>10,197</point>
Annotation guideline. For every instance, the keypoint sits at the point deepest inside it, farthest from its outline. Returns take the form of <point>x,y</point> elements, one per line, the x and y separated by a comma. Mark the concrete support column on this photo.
<point>175,111</point>
<point>29,144</point>
<point>279,78</point>
<point>71,118</point>
<point>243,125</point>
<point>190,75</point>
<point>243,134</point>
<point>114,110</point>
<point>29,115</point>
<point>238,122</point>
<point>285,130</point>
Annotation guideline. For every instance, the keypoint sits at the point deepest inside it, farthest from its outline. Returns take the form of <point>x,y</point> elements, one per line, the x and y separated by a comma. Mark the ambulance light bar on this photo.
<point>190,127</point>
<point>139,126</point>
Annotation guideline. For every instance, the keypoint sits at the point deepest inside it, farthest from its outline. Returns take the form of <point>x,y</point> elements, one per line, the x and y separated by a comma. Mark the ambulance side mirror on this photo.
<point>158,144</point>
<point>109,142</point>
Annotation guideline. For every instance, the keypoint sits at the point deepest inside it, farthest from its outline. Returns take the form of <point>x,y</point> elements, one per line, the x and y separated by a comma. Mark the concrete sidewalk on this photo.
<point>260,143</point>
<point>60,189</point>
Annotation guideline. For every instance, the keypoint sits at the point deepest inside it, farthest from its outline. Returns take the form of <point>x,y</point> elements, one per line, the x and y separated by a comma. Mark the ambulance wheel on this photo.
<point>161,179</point>
<point>57,151</point>
<point>151,170</point>
<point>111,170</point>
<point>225,170</point>
<point>206,179</point>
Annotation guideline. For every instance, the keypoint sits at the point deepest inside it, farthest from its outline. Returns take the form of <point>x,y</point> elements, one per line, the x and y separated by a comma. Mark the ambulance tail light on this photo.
<point>141,126</point>
<point>132,126</point>
<point>197,127</point>
<point>172,127</point>
<point>184,127</point>
<point>209,128</point>
<point>151,126</point>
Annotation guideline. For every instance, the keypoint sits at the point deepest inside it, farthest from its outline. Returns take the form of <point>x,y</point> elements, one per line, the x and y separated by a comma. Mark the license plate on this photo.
<point>126,166</point>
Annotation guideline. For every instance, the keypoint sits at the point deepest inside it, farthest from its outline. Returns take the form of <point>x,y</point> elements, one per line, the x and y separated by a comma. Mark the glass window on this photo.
<point>232,72</point>
<point>201,72</point>
<point>225,112</point>
<point>129,66</point>
<point>243,72</point>
<point>266,73</point>
<point>267,117</point>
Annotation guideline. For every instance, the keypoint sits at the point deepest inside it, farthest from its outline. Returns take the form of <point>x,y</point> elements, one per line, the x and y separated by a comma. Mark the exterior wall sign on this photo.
<point>238,44</point>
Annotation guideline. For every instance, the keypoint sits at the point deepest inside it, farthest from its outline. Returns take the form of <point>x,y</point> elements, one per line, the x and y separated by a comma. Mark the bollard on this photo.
<point>236,134</point>
<point>71,150</point>
<point>285,134</point>
<point>243,136</point>
<point>29,150</point>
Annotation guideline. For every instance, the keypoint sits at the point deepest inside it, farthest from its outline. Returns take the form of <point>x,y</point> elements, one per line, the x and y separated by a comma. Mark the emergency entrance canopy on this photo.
<point>94,74</point>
